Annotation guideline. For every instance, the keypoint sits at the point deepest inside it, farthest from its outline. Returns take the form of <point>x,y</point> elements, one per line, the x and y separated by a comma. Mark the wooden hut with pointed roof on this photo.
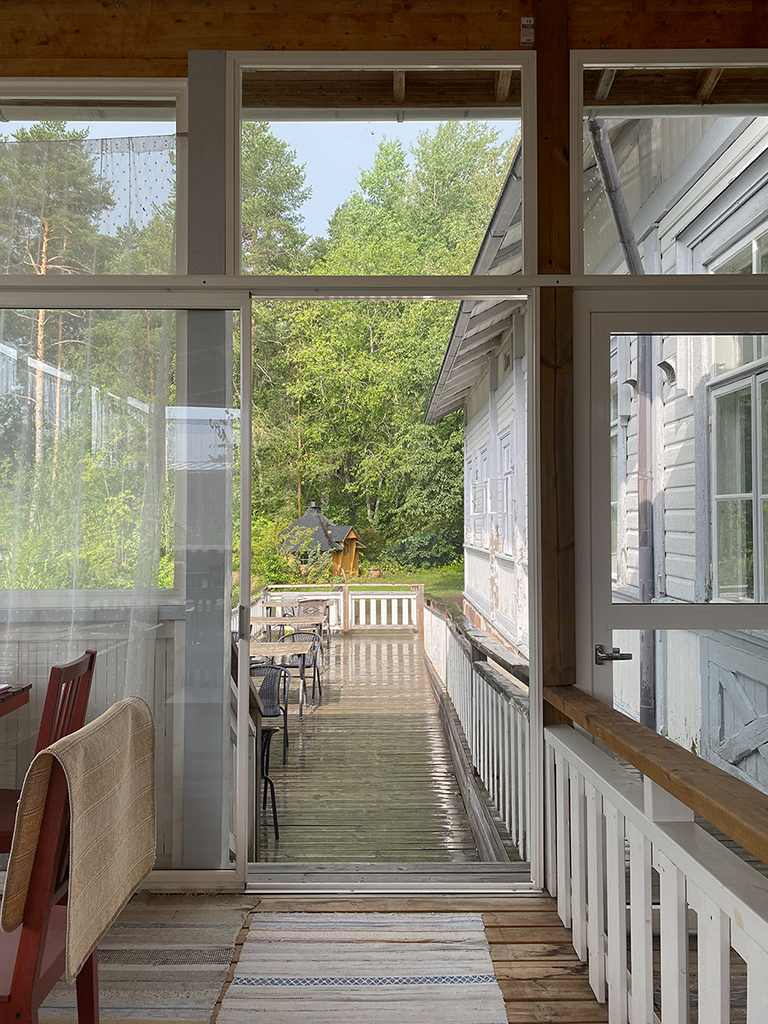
<point>313,529</point>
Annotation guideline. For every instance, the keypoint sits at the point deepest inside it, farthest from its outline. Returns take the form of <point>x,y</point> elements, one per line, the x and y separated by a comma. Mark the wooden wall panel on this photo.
<point>152,37</point>
<point>160,32</point>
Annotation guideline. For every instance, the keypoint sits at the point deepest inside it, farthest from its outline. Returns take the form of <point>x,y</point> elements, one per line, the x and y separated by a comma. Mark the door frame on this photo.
<point>685,307</point>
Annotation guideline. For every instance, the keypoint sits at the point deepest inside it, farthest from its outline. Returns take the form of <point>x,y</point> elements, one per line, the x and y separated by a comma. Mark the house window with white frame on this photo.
<point>478,498</point>
<point>506,464</point>
<point>740,479</point>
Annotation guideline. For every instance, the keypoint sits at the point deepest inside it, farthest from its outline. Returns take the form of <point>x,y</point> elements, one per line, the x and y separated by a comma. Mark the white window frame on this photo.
<point>580,60</point>
<point>750,379</point>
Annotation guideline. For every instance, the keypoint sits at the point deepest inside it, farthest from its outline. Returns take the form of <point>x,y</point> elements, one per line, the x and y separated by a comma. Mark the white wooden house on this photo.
<point>696,192</point>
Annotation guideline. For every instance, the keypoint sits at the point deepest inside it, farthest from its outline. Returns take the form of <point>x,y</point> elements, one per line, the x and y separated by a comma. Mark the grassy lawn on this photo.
<point>448,580</point>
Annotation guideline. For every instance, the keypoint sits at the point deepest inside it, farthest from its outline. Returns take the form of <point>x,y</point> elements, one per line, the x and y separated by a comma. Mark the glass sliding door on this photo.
<point>119,440</point>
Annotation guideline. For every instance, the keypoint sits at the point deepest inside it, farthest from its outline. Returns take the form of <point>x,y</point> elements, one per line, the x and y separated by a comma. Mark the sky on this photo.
<point>334,152</point>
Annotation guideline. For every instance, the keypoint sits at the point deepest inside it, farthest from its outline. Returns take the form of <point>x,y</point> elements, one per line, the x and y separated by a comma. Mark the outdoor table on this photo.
<point>299,622</point>
<point>299,649</point>
<point>15,696</point>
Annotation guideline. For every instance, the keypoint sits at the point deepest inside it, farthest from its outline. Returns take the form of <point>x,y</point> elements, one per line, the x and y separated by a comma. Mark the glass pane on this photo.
<point>646,213</point>
<point>688,492</point>
<point>733,442</point>
<point>735,569</point>
<point>705,686</point>
<point>762,254</point>
<point>73,201</point>
<point>739,263</point>
<point>764,437</point>
<point>614,401</point>
<point>341,177</point>
<point>116,465</point>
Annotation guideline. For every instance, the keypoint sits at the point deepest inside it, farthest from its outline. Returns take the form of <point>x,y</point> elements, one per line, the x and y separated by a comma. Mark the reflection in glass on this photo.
<point>733,471</point>
<point>74,205</point>
<point>735,571</point>
<point>735,350</point>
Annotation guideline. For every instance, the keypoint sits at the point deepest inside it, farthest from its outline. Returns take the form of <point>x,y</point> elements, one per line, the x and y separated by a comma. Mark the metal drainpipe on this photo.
<point>609,176</point>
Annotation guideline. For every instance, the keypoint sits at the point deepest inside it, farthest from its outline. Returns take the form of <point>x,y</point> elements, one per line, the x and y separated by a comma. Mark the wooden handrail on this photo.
<point>733,806</point>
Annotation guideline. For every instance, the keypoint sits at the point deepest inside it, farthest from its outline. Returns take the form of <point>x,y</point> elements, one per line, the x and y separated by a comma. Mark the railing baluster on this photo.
<point>641,939</point>
<point>595,892</point>
<point>713,936</point>
<point>578,864</point>
<point>550,852</point>
<point>673,929</point>
<point>563,833</point>
<point>616,890</point>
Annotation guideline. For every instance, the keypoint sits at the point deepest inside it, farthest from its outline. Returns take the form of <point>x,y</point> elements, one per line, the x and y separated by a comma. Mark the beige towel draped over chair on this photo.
<point>110,771</point>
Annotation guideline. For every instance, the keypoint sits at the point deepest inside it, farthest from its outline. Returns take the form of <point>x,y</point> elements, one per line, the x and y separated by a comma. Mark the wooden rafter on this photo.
<point>398,86</point>
<point>708,79</point>
<point>604,84</point>
<point>503,82</point>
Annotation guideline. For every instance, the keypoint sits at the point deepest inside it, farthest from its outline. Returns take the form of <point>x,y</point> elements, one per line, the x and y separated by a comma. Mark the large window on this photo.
<point>740,482</point>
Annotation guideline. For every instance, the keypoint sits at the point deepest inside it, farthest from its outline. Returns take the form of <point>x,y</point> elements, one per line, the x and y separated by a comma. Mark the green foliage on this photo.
<point>430,549</point>
<point>340,389</point>
<point>272,564</point>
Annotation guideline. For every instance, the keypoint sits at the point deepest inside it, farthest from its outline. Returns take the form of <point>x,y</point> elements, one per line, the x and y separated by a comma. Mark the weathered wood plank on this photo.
<point>733,806</point>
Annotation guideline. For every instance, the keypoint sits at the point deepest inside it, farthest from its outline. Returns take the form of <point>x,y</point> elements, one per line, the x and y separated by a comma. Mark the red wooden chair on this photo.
<point>32,958</point>
<point>66,700</point>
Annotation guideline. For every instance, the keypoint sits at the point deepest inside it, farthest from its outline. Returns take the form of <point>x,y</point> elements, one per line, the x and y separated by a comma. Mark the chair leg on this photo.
<point>270,783</point>
<point>87,988</point>
<point>285,735</point>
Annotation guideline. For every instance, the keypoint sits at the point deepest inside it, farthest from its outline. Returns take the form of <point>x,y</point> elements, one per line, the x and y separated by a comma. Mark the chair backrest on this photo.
<point>48,885</point>
<point>302,636</point>
<point>66,700</point>
<point>275,678</point>
<point>312,607</point>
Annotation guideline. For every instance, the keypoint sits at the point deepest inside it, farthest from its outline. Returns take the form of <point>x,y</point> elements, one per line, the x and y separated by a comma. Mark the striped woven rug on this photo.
<point>364,969</point>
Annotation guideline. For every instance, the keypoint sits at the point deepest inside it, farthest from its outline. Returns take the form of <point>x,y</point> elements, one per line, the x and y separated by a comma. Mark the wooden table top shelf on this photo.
<point>14,697</point>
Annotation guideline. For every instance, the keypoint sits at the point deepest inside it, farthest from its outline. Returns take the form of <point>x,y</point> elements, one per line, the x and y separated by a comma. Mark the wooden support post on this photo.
<point>556,348</point>
<point>418,589</point>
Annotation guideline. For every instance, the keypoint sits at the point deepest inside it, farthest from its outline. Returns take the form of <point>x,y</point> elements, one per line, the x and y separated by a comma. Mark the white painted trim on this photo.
<point>692,58</point>
<point>92,88</point>
<point>575,142</point>
<point>535,679</point>
<point>244,599</point>
<point>381,60</point>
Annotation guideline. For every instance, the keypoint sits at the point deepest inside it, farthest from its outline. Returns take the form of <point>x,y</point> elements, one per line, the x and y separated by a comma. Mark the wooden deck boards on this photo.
<point>369,776</point>
<point>540,976</point>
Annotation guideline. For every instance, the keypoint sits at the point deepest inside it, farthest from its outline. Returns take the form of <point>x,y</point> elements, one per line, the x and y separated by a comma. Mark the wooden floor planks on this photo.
<point>369,776</point>
<point>542,980</point>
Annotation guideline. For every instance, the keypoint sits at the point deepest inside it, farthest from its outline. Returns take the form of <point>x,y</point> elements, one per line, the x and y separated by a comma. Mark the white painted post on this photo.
<point>550,852</point>
<point>578,864</point>
<point>616,890</point>
<point>595,892</point>
<point>674,941</point>
<point>714,945</point>
<point>641,937</point>
<point>563,834</point>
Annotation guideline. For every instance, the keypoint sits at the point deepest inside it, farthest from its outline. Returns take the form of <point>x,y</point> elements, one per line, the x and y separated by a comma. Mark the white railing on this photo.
<point>383,606</point>
<point>606,832</point>
<point>493,713</point>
